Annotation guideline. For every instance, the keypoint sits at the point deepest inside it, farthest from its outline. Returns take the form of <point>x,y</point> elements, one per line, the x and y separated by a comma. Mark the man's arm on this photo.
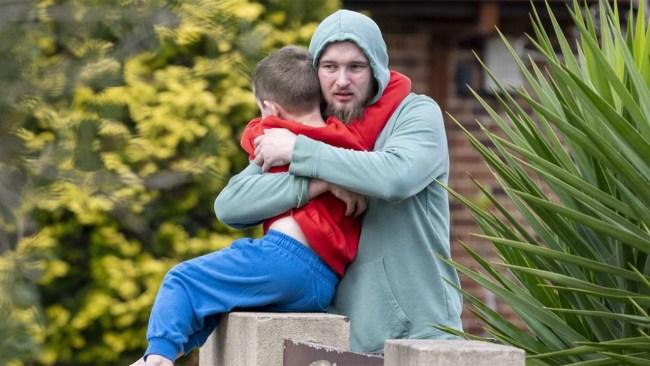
<point>414,154</point>
<point>250,197</point>
<point>244,202</point>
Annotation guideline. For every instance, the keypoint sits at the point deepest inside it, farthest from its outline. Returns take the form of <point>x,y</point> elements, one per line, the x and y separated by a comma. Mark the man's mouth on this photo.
<point>343,97</point>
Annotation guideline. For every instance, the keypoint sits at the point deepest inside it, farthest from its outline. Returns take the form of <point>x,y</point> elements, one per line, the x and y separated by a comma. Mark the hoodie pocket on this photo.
<point>366,297</point>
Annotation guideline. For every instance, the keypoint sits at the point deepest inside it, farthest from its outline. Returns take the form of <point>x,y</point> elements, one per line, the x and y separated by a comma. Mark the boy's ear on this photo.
<point>270,108</point>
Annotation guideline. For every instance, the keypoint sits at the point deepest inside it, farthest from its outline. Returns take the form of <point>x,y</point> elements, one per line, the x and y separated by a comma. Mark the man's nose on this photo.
<point>342,79</point>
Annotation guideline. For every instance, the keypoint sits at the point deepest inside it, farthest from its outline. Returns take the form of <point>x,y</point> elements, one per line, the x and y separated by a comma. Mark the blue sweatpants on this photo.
<point>275,273</point>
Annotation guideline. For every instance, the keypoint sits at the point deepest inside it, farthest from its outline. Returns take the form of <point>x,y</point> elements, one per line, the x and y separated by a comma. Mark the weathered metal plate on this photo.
<point>314,354</point>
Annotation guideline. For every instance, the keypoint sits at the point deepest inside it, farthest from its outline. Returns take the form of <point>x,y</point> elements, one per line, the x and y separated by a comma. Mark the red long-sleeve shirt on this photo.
<point>331,234</point>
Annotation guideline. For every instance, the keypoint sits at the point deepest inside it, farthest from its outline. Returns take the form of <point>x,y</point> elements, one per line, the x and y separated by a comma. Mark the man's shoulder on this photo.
<point>419,100</point>
<point>415,105</point>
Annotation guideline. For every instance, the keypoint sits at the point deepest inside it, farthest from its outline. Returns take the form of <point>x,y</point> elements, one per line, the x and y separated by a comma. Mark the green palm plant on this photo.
<point>577,271</point>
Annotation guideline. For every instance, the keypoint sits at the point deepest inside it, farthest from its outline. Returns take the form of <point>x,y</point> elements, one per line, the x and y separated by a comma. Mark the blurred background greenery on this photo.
<point>119,122</point>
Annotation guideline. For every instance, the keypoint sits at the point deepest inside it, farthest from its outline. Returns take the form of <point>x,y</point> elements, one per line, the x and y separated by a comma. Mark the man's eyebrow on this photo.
<point>325,59</point>
<point>352,62</point>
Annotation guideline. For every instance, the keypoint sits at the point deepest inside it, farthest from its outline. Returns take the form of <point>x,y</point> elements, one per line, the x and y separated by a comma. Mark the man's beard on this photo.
<point>346,113</point>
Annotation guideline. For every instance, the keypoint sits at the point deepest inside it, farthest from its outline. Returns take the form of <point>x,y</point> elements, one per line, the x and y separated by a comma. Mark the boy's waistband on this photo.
<point>303,252</point>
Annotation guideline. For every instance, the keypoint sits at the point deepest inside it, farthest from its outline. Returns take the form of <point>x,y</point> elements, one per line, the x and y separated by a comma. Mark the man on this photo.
<point>397,287</point>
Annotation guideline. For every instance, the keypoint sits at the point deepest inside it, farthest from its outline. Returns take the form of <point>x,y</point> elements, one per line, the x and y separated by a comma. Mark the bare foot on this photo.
<point>155,360</point>
<point>139,362</point>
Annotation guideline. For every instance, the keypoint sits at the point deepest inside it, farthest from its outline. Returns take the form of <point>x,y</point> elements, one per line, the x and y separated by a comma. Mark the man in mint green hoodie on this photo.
<point>397,287</point>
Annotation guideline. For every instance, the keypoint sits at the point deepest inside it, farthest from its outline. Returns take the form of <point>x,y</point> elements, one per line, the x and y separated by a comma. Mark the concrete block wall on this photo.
<point>418,352</point>
<point>258,339</point>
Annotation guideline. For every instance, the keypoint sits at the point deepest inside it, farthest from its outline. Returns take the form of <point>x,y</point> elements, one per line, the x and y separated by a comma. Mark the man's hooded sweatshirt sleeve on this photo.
<point>251,196</point>
<point>414,155</point>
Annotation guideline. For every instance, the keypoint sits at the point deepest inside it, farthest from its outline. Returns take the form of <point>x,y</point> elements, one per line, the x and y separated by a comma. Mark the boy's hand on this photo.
<point>316,188</point>
<point>155,360</point>
<point>355,203</point>
<point>139,362</point>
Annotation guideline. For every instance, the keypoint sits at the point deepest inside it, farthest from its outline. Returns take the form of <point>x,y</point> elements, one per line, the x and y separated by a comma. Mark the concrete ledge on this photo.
<point>415,352</point>
<point>257,339</point>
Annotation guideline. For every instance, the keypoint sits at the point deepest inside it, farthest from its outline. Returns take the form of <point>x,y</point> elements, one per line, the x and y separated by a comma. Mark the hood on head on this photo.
<point>346,25</point>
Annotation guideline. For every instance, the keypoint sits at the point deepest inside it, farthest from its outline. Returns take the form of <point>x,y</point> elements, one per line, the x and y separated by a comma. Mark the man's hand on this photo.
<point>355,203</point>
<point>274,148</point>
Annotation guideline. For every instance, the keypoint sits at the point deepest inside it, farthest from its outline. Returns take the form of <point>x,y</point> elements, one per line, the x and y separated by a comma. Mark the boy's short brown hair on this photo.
<point>287,77</point>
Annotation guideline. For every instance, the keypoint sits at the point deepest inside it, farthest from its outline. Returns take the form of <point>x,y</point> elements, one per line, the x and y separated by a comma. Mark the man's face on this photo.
<point>345,79</point>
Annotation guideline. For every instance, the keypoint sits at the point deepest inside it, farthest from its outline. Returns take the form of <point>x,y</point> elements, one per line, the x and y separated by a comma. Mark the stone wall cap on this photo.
<point>263,315</point>
<point>446,345</point>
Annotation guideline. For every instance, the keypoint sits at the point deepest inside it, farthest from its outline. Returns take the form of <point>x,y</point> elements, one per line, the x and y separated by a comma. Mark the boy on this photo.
<point>296,265</point>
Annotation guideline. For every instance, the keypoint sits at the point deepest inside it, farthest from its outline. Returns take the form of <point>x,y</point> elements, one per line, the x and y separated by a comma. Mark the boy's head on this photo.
<point>288,79</point>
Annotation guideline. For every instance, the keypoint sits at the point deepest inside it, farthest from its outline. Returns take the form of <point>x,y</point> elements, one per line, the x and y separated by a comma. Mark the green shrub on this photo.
<point>124,119</point>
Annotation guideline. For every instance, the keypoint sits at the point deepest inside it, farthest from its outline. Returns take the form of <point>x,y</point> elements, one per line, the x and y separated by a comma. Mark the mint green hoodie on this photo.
<point>396,287</point>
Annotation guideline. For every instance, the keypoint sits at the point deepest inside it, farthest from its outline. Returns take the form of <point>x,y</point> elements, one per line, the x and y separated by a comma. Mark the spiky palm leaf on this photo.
<point>579,271</point>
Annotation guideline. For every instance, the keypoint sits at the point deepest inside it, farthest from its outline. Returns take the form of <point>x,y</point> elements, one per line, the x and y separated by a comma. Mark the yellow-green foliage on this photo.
<point>125,117</point>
